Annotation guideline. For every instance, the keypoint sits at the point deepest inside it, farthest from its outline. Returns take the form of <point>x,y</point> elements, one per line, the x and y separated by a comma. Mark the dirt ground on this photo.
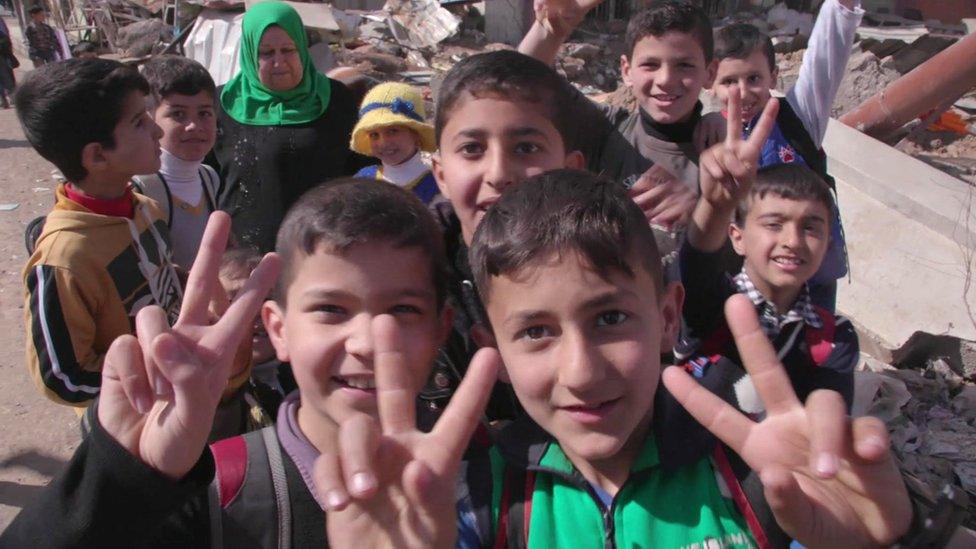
<point>36,435</point>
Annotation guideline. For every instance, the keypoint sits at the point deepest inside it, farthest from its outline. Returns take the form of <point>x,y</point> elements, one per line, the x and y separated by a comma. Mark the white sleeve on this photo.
<point>824,64</point>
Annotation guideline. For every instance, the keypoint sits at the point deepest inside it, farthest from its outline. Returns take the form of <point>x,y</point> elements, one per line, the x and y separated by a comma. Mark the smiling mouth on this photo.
<point>357,383</point>
<point>789,261</point>
<point>590,412</point>
<point>665,97</point>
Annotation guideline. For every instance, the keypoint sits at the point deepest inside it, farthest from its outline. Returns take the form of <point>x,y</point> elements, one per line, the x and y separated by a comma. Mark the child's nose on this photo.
<point>580,369</point>
<point>359,342</point>
<point>499,172</point>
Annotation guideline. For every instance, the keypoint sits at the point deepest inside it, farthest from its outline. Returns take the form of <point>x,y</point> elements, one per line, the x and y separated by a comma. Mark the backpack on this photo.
<point>250,464</point>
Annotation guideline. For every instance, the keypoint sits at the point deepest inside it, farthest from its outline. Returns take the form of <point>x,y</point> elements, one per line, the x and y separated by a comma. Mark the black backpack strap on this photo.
<point>516,509</point>
<point>210,189</point>
<point>799,138</point>
<point>280,486</point>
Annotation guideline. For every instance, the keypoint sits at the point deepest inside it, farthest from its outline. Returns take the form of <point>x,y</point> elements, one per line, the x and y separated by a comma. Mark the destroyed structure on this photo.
<point>909,84</point>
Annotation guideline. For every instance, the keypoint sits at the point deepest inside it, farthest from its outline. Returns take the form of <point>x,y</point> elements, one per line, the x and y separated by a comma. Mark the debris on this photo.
<point>9,206</point>
<point>930,415</point>
<point>420,23</point>
<point>142,38</point>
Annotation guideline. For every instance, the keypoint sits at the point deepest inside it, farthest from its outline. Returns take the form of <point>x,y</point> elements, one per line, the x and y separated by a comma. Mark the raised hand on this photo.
<point>665,200</point>
<point>830,480</point>
<point>727,169</point>
<point>560,17</point>
<point>389,484</point>
<point>726,172</point>
<point>160,390</point>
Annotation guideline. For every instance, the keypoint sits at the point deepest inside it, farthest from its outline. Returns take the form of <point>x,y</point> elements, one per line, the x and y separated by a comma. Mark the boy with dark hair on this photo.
<point>571,278</point>
<point>781,228</point>
<point>335,302</point>
<point>181,101</point>
<point>746,61</point>
<point>42,41</point>
<point>103,252</point>
<point>500,117</point>
<point>651,150</point>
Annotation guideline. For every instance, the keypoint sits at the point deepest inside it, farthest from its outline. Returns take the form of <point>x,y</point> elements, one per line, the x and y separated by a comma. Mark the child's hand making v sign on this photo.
<point>160,391</point>
<point>726,172</point>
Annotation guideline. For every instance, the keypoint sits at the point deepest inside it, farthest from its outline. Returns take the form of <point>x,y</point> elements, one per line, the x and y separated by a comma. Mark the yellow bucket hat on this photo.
<point>392,104</point>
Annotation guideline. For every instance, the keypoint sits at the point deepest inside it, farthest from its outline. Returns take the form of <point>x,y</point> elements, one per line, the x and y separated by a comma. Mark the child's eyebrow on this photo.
<point>524,317</point>
<point>607,298</point>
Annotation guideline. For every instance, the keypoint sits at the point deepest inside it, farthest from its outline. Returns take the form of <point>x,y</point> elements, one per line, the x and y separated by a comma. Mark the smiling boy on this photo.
<point>571,278</point>
<point>181,101</point>
<point>103,253</point>
<point>651,150</point>
<point>781,228</point>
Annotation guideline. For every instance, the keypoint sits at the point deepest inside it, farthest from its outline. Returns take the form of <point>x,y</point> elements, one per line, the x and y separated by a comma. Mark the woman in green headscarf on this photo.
<point>283,127</point>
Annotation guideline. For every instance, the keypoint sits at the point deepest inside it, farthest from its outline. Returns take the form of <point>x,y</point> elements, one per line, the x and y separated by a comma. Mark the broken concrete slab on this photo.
<point>911,236</point>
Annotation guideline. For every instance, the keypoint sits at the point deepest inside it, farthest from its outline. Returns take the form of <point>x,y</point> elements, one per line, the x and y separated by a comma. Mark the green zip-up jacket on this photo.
<point>525,489</point>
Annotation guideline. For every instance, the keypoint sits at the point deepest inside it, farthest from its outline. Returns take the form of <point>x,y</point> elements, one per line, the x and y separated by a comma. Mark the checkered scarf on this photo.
<point>772,322</point>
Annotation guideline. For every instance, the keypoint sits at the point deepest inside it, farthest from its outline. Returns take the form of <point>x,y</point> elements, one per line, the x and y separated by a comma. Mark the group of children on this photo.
<point>558,431</point>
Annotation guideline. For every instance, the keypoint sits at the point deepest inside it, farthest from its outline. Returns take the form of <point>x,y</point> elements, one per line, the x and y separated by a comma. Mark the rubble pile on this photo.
<point>931,418</point>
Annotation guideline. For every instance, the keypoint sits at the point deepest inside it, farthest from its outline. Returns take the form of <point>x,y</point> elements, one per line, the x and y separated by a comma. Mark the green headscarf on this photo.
<point>246,99</point>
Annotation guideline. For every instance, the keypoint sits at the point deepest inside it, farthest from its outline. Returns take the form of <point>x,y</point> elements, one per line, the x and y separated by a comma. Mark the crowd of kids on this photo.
<point>469,350</point>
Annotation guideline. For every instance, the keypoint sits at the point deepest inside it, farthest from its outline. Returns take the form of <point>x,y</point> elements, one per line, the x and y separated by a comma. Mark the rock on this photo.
<point>582,50</point>
<point>381,62</point>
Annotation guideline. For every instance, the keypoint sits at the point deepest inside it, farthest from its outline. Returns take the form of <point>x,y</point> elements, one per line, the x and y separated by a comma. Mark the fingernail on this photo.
<point>874,442</point>
<point>143,404</point>
<point>335,499</point>
<point>827,464</point>
<point>362,482</point>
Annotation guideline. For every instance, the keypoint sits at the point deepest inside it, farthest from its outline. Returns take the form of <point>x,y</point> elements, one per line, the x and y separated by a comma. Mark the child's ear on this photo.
<point>735,235</point>
<point>92,157</point>
<point>625,70</point>
<point>576,160</point>
<point>437,169</point>
<point>672,299</point>
<point>712,70</point>
<point>274,322</point>
<point>483,337</point>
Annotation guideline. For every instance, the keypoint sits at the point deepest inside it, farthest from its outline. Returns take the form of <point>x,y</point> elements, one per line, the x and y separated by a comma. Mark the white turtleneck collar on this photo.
<point>406,172</point>
<point>182,177</point>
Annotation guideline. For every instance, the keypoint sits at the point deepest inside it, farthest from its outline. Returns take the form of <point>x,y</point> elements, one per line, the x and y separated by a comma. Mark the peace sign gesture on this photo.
<point>389,484</point>
<point>726,172</point>
<point>728,168</point>
<point>829,480</point>
<point>160,390</point>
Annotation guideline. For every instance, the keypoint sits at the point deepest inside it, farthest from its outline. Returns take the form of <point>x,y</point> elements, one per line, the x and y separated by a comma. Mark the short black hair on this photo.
<point>511,75</point>
<point>558,211</point>
<point>84,46</point>
<point>35,9</point>
<point>792,181</point>
<point>348,211</point>
<point>667,16</point>
<point>66,105</point>
<point>739,40</point>
<point>168,74</point>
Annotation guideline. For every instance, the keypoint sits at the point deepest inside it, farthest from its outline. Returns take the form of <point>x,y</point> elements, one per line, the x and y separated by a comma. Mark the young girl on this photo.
<point>392,128</point>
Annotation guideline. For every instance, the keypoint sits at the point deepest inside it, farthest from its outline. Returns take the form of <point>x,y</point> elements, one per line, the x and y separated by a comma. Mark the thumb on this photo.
<point>125,393</point>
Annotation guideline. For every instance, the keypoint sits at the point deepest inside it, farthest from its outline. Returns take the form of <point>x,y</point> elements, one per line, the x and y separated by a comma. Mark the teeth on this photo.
<point>788,261</point>
<point>361,383</point>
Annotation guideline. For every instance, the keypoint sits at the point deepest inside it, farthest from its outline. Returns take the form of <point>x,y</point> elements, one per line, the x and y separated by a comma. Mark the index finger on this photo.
<point>733,126</point>
<point>454,428</point>
<point>759,358</point>
<point>395,395</point>
<point>203,274</point>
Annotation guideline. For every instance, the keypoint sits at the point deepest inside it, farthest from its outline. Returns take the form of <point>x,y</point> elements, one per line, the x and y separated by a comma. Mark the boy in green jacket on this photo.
<point>571,279</point>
